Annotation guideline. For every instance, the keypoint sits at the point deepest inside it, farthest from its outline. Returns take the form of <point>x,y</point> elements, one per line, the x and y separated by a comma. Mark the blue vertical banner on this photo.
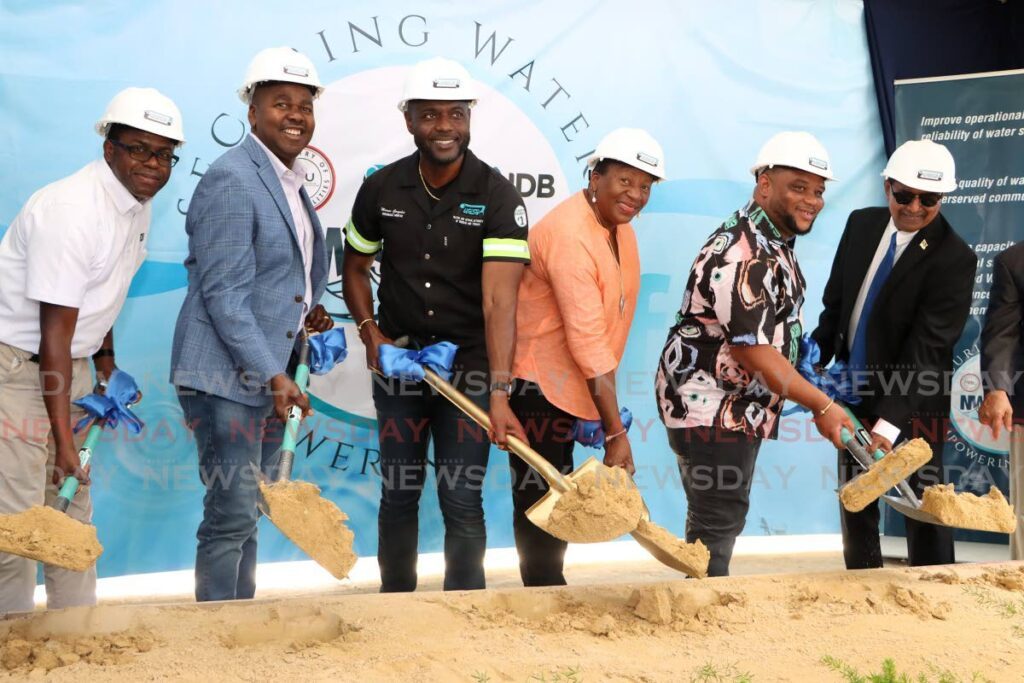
<point>980,118</point>
<point>555,78</point>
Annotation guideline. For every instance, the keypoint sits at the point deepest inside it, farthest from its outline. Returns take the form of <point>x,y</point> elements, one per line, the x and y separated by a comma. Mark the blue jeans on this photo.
<point>232,439</point>
<point>407,421</point>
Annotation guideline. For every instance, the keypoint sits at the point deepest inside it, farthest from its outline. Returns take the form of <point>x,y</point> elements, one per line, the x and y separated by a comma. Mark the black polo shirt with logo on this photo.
<point>434,251</point>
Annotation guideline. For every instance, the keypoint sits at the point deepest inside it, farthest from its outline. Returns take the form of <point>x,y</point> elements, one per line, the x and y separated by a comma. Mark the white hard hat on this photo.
<point>438,79</point>
<point>145,109</point>
<point>922,165</point>
<point>279,64</point>
<point>632,146</point>
<point>795,149</point>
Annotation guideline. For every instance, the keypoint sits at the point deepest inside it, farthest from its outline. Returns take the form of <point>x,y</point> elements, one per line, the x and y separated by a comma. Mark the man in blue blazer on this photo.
<point>256,265</point>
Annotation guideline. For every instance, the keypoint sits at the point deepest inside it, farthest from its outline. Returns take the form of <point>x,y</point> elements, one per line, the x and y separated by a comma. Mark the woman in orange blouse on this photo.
<point>576,303</point>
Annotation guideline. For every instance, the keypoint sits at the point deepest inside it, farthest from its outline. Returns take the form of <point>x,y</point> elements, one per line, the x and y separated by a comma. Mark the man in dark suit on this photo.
<point>1002,365</point>
<point>895,305</point>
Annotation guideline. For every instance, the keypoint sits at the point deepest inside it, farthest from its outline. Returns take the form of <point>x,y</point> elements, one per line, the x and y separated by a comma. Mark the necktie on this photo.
<point>859,351</point>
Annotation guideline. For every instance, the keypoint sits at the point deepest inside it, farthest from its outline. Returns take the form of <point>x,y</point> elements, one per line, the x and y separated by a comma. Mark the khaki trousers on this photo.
<point>26,463</point>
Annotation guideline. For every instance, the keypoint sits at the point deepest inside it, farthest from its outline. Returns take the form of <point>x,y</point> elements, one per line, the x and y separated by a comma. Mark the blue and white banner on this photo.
<point>710,81</point>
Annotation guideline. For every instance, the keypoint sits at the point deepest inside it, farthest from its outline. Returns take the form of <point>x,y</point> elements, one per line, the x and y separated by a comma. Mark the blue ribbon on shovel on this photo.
<point>836,382</point>
<point>408,364</point>
<point>111,407</point>
<point>591,432</point>
<point>327,350</point>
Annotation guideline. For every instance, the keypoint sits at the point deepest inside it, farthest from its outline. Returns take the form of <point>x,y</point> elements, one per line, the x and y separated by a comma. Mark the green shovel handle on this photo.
<point>862,434</point>
<point>70,485</point>
<point>291,427</point>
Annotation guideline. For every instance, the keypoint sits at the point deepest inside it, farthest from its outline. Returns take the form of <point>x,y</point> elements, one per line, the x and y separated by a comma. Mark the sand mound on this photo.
<point>48,535</point>
<point>777,628</point>
<point>313,523</point>
<point>968,511</point>
<point>604,504</point>
<point>884,474</point>
<point>21,655</point>
<point>691,558</point>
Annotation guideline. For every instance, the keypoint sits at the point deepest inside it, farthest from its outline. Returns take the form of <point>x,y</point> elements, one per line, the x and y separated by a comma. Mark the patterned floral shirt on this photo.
<point>745,289</point>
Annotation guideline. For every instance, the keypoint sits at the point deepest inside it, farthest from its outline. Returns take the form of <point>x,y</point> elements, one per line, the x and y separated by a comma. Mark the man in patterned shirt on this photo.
<point>727,367</point>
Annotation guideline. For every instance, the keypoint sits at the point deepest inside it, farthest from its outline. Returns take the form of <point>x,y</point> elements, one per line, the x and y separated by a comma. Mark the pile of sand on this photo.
<point>604,504</point>
<point>968,511</point>
<point>32,655</point>
<point>690,558</point>
<point>311,522</point>
<point>884,474</point>
<point>776,627</point>
<point>48,535</point>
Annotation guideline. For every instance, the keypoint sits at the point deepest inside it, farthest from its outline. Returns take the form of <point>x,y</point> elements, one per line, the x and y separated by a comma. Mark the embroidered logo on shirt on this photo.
<point>520,216</point>
<point>470,212</point>
<point>392,213</point>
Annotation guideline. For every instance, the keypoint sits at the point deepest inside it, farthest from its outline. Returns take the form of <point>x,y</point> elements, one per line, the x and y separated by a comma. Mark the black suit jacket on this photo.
<point>916,320</point>
<point>1002,354</point>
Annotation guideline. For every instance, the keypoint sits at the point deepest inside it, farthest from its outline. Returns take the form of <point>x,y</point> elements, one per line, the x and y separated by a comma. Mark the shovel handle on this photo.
<point>291,428</point>
<point>534,459</point>
<point>70,485</point>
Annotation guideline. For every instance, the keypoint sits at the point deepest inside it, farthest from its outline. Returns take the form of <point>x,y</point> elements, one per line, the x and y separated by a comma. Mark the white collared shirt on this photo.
<point>77,242</point>
<point>291,182</point>
<point>903,238</point>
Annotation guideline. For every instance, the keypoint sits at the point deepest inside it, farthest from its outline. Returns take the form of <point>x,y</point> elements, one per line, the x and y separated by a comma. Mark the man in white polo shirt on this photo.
<point>66,263</point>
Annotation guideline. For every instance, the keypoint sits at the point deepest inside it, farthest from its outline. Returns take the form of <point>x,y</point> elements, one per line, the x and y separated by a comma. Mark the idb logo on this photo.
<point>541,185</point>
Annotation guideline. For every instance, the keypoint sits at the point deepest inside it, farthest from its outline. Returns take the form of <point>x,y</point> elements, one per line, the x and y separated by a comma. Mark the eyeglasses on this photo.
<point>144,154</point>
<point>927,199</point>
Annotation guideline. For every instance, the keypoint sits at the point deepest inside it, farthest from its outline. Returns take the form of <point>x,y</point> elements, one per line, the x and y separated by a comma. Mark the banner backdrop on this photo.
<point>980,118</point>
<point>556,77</point>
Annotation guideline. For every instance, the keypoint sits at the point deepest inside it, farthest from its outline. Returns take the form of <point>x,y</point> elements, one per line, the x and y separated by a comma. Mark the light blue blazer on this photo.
<point>237,326</point>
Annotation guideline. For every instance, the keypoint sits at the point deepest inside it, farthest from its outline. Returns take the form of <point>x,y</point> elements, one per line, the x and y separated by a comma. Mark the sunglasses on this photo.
<point>927,199</point>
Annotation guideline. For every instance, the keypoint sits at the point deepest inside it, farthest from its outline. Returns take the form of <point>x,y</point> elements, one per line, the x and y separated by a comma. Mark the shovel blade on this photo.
<point>578,521</point>
<point>884,474</point>
<point>313,523</point>
<point>50,536</point>
<point>690,558</point>
<point>907,510</point>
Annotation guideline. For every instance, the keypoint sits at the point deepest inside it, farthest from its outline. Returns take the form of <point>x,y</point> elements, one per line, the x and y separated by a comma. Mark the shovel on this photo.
<point>48,534</point>
<point>314,524</point>
<point>961,511</point>
<point>856,444</point>
<point>660,543</point>
<point>907,502</point>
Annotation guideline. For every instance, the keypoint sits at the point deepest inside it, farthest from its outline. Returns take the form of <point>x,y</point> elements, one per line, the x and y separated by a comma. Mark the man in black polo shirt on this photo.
<point>453,233</point>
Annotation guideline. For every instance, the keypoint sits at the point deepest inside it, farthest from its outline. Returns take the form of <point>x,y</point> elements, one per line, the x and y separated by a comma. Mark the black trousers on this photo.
<point>550,431</point>
<point>717,469</point>
<point>927,544</point>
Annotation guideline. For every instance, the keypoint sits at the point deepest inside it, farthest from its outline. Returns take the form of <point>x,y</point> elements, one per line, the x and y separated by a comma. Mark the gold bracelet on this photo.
<point>828,406</point>
<point>359,327</point>
<point>612,436</point>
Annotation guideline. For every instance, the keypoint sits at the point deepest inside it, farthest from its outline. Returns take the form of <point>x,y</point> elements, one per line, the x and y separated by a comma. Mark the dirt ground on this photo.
<point>965,621</point>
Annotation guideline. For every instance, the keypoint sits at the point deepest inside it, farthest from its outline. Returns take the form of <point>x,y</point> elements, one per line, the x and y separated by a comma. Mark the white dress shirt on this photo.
<point>903,238</point>
<point>291,182</point>
<point>77,242</point>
